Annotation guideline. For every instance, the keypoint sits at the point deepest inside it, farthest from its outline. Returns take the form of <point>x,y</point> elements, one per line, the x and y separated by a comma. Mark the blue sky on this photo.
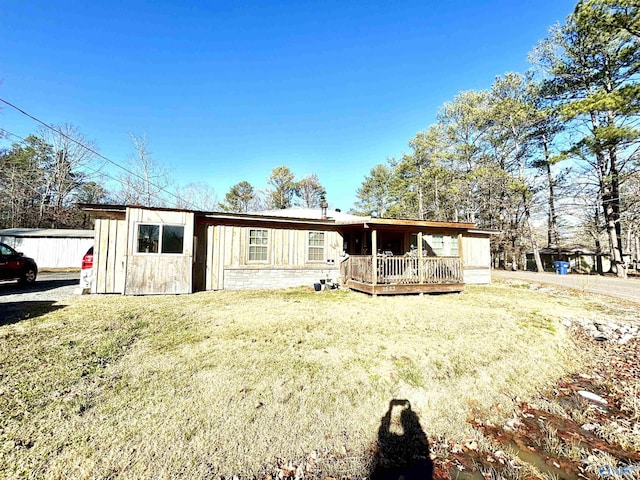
<point>226,91</point>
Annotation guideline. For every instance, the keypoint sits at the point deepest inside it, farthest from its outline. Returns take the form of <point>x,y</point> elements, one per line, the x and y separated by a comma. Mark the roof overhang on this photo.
<point>564,251</point>
<point>47,233</point>
<point>263,219</point>
<point>481,231</point>
<point>417,223</point>
<point>117,211</point>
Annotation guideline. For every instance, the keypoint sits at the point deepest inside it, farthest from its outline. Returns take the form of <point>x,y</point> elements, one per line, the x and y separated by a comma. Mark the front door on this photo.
<point>390,242</point>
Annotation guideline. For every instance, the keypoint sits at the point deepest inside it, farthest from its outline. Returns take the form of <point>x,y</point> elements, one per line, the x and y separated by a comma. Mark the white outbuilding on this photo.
<point>50,248</point>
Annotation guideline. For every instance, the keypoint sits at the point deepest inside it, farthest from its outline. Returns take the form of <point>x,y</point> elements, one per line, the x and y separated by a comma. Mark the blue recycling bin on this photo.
<point>562,268</point>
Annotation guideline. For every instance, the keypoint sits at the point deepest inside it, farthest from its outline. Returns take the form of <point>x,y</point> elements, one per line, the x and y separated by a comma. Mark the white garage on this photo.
<point>50,248</point>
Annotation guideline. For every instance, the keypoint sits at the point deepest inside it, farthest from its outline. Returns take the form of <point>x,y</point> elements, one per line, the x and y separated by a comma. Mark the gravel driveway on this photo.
<point>627,289</point>
<point>48,293</point>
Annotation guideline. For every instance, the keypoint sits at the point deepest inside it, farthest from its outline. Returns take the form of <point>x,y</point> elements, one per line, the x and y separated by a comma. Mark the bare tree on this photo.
<point>197,196</point>
<point>147,180</point>
<point>68,167</point>
<point>73,153</point>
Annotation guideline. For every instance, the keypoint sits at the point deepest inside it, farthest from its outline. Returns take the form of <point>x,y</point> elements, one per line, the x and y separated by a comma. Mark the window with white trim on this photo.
<point>160,238</point>
<point>315,246</point>
<point>453,246</point>
<point>258,245</point>
<point>437,245</point>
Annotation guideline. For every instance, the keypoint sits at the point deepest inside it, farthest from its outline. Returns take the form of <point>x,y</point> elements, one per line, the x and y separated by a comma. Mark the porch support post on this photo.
<point>461,259</point>
<point>420,262</point>
<point>374,256</point>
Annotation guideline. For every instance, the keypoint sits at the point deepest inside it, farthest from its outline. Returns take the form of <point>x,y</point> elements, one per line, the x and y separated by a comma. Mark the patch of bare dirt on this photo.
<point>588,426</point>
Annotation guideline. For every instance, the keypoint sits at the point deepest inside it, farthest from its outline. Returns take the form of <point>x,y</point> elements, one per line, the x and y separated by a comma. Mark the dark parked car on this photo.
<point>15,266</point>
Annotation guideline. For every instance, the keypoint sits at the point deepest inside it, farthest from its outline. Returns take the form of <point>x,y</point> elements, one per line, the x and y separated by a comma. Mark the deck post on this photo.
<point>420,264</point>
<point>374,256</point>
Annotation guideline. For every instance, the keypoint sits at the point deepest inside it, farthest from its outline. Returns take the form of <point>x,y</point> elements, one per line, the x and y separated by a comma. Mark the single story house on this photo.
<point>581,259</point>
<point>144,250</point>
<point>49,247</point>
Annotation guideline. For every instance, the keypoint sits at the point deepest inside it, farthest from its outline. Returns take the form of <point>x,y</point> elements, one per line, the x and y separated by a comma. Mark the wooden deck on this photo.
<point>403,275</point>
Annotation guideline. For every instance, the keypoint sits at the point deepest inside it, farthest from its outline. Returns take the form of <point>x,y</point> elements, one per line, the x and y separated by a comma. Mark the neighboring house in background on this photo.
<point>142,250</point>
<point>50,248</point>
<point>581,259</point>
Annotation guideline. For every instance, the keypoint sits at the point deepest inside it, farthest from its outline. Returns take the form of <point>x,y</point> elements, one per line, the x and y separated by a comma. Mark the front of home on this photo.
<point>142,250</point>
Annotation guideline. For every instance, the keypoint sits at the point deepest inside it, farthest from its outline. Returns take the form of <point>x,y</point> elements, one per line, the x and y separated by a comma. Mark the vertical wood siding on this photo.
<point>228,248</point>
<point>476,252</point>
<point>476,259</point>
<point>109,256</point>
<point>159,273</point>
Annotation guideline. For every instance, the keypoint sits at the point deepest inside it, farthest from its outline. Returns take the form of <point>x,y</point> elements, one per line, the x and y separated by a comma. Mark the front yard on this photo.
<point>259,384</point>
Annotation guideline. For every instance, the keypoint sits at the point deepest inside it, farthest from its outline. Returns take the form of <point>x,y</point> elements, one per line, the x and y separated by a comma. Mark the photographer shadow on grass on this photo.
<point>402,449</point>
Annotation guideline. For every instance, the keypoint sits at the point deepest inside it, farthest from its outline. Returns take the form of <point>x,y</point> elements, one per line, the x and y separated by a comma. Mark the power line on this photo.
<point>11,133</point>
<point>112,162</point>
<point>94,170</point>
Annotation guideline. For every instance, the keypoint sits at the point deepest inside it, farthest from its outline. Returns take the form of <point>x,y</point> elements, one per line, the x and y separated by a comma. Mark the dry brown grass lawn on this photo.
<point>223,383</point>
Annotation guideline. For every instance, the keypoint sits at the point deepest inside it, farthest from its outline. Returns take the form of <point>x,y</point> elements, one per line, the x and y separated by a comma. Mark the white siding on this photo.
<point>51,252</point>
<point>476,252</point>
<point>476,259</point>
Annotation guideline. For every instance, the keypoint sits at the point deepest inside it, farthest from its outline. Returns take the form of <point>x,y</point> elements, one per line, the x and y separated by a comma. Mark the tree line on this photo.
<point>42,176</point>
<point>559,142</point>
<point>45,175</point>
<point>285,191</point>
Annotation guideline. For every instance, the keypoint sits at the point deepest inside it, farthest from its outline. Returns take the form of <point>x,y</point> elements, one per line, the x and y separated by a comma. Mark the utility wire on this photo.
<point>3,130</point>
<point>94,170</point>
<point>112,162</point>
<point>87,167</point>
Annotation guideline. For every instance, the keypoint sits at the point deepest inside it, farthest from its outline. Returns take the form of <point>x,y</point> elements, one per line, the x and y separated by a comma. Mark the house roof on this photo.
<point>566,250</point>
<point>46,232</point>
<point>297,215</point>
<point>311,214</point>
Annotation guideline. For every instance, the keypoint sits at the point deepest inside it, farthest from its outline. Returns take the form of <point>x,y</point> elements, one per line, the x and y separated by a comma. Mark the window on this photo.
<point>258,245</point>
<point>316,246</point>
<point>453,246</point>
<point>160,238</point>
<point>148,238</point>
<point>437,245</point>
<point>172,239</point>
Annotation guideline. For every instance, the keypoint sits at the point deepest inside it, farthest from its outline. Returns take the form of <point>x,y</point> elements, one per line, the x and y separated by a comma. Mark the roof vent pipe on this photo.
<point>323,206</point>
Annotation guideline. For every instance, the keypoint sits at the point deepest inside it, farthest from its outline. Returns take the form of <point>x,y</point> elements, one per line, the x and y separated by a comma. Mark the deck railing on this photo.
<point>407,270</point>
